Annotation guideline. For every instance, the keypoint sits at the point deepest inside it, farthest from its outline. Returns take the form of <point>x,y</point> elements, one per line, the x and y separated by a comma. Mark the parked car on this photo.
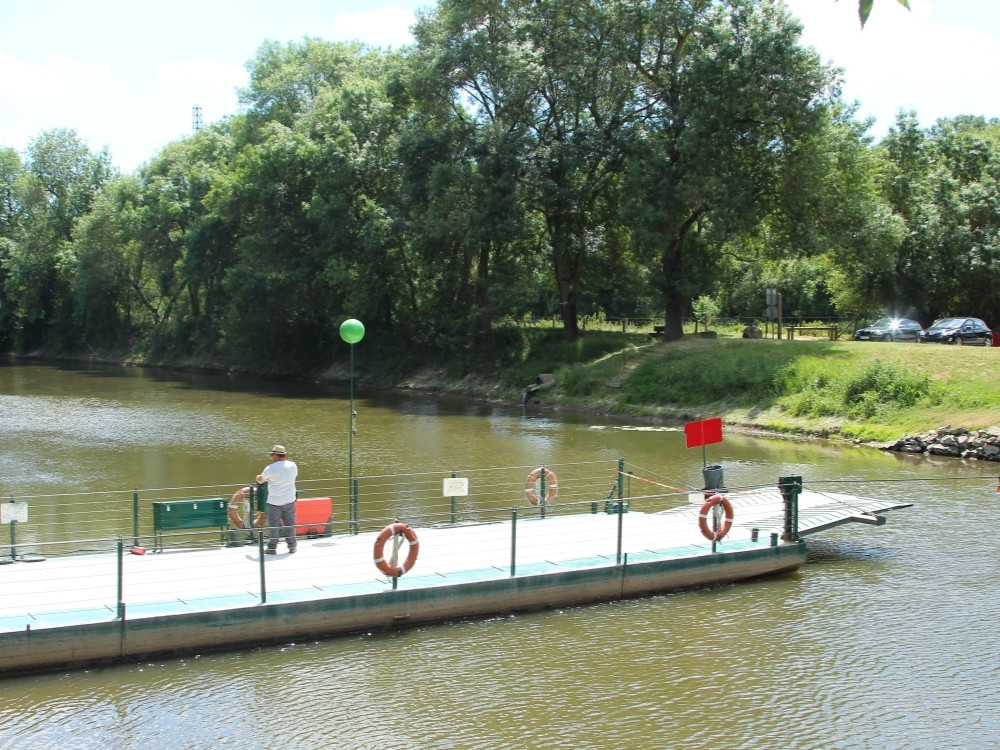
<point>958,331</point>
<point>890,329</point>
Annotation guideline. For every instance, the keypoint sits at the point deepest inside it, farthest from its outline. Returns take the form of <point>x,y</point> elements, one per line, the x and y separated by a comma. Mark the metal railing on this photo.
<point>97,577</point>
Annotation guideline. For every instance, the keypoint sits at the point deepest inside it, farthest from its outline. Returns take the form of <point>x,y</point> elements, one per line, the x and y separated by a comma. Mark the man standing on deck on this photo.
<point>280,476</point>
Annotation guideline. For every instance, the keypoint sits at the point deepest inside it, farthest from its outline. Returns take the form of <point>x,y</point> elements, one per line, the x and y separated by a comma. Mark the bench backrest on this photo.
<point>169,515</point>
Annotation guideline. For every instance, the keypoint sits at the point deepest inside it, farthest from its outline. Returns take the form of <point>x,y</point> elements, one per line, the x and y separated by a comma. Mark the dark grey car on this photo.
<point>958,331</point>
<point>890,329</point>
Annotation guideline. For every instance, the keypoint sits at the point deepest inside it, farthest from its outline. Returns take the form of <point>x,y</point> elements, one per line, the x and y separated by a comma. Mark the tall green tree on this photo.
<point>367,263</point>
<point>11,175</point>
<point>60,181</point>
<point>314,184</point>
<point>550,78</point>
<point>474,244</point>
<point>729,95</point>
<point>99,285</point>
<point>944,184</point>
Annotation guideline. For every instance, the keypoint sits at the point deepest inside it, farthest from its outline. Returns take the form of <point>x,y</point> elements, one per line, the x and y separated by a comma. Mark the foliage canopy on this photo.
<point>611,158</point>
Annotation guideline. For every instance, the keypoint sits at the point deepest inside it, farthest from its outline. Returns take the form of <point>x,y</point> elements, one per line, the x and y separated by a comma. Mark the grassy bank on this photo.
<point>870,391</point>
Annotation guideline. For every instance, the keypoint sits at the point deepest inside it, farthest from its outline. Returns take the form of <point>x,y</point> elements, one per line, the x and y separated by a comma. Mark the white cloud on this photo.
<point>141,94</point>
<point>386,27</point>
<point>38,83</point>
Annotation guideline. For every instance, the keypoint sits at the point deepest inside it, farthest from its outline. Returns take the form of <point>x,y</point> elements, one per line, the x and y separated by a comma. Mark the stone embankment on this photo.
<point>952,441</point>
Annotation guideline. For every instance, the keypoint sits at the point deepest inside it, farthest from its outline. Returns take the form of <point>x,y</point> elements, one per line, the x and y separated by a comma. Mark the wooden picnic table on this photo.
<point>830,331</point>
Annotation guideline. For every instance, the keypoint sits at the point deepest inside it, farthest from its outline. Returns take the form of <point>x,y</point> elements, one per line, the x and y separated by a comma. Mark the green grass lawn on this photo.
<point>867,390</point>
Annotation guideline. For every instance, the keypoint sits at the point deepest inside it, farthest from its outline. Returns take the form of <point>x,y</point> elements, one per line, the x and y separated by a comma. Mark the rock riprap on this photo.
<point>951,441</point>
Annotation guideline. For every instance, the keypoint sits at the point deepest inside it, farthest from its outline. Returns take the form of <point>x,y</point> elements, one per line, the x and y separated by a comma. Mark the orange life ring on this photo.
<point>714,536</point>
<point>234,510</point>
<point>395,571</point>
<point>551,487</point>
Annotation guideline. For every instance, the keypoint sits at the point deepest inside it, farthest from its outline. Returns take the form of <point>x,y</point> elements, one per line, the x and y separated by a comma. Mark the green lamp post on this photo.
<point>352,331</point>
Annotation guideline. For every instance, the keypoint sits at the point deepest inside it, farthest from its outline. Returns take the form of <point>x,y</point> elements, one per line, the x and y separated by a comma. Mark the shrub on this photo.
<point>880,385</point>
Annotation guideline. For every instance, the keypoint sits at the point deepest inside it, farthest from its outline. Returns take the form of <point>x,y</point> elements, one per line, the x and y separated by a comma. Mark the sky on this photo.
<point>127,75</point>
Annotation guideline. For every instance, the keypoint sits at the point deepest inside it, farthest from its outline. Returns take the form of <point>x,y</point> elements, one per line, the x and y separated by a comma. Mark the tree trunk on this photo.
<point>676,305</point>
<point>673,321</point>
<point>567,310</point>
<point>566,264</point>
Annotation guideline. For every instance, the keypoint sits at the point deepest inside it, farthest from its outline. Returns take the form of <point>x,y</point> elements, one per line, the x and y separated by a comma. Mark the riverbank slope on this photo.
<point>869,392</point>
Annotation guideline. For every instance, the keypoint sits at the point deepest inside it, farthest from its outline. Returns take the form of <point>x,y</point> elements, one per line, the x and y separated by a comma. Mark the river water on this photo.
<point>884,639</point>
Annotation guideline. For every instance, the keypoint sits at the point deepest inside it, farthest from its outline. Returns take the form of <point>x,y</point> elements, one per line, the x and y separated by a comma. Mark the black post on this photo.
<point>790,488</point>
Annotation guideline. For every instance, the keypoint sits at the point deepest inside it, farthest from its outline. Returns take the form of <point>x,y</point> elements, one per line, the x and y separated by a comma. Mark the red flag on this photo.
<point>703,432</point>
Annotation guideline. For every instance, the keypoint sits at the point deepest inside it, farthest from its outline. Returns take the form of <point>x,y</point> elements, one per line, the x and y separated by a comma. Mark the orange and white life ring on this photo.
<point>551,488</point>
<point>714,536</point>
<point>392,569</point>
<point>239,502</point>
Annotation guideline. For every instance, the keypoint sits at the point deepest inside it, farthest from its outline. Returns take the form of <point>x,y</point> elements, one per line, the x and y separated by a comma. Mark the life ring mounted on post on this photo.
<point>551,487</point>
<point>727,507</point>
<point>389,567</point>
<point>240,511</point>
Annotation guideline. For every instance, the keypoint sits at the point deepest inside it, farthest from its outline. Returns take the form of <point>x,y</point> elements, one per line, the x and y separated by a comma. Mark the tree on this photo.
<point>60,180</point>
<point>99,278</point>
<point>11,221</point>
<point>705,310</point>
<point>315,186</point>
<point>178,241</point>
<point>729,100</point>
<point>548,79</point>
<point>366,261</point>
<point>945,184</point>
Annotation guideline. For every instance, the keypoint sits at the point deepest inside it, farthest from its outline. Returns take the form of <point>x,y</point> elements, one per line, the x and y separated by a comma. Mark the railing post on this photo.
<point>621,519</point>
<point>513,541</point>
<point>542,499</point>
<point>790,488</point>
<point>121,578</point>
<point>454,514</point>
<point>260,555</point>
<point>621,480</point>
<point>135,518</point>
<point>356,511</point>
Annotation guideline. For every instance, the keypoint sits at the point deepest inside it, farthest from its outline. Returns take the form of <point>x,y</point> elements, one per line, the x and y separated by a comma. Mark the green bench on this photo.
<point>177,515</point>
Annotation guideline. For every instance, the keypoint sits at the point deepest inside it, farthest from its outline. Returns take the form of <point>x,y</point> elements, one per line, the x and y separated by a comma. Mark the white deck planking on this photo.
<point>343,565</point>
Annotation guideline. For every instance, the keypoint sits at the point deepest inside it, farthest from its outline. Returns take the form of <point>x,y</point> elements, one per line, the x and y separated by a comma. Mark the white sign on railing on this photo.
<point>456,486</point>
<point>13,512</point>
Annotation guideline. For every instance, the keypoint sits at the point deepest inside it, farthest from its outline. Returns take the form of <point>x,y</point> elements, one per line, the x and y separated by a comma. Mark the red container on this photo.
<point>314,516</point>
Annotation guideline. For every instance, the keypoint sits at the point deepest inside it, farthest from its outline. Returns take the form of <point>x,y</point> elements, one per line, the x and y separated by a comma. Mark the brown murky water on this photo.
<point>883,640</point>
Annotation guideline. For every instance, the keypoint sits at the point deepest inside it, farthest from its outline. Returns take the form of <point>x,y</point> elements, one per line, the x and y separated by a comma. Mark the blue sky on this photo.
<point>127,74</point>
